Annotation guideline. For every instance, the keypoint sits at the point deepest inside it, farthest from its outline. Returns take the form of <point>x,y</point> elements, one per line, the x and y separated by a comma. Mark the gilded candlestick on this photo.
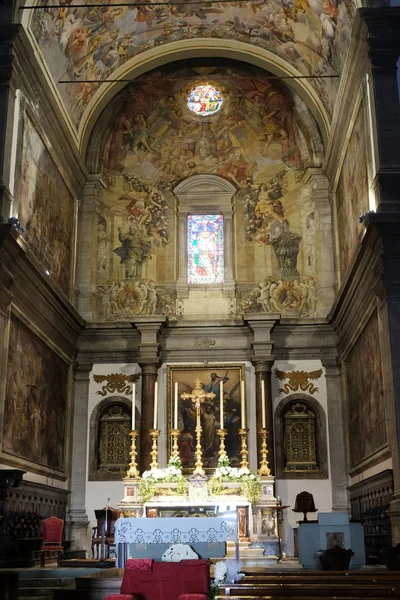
<point>133,472</point>
<point>154,449</point>
<point>199,455</point>
<point>175,450</point>
<point>222,434</point>
<point>264,469</point>
<point>243,451</point>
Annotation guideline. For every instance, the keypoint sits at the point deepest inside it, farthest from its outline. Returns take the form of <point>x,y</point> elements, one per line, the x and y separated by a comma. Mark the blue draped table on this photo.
<point>149,538</point>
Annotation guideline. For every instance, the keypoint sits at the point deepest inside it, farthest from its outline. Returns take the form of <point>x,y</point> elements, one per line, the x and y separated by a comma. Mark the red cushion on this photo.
<point>51,547</point>
<point>139,564</point>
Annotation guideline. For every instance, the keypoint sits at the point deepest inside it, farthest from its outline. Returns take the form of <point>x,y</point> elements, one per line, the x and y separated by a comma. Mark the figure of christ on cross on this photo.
<point>198,396</point>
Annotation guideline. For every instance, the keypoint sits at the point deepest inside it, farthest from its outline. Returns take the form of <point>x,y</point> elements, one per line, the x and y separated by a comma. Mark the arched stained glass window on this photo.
<point>205,249</point>
<point>205,100</point>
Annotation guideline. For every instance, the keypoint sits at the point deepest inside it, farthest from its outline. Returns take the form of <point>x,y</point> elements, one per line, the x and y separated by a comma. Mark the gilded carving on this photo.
<point>298,379</point>
<point>116,382</point>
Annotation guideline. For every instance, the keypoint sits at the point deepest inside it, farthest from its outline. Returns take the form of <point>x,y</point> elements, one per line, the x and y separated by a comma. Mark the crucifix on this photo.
<point>198,396</point>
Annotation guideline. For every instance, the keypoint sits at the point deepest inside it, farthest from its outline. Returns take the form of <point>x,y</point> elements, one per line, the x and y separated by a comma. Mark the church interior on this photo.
<point>199,209</point>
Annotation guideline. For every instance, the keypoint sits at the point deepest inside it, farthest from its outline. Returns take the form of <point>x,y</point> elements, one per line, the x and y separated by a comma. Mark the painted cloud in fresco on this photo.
<point>83,44</point>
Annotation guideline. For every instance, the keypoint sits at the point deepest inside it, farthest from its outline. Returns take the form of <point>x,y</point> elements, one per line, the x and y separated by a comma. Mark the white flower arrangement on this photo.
<point>227,571</point>
<point>250,483</point>
<point>171,474</point>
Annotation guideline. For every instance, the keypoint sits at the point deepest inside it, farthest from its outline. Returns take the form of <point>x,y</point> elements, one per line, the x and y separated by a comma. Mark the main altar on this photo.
<point>164,500</point>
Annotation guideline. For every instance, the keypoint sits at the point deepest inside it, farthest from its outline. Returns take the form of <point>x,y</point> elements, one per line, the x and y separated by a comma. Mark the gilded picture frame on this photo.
<point>36,402</point>
<point>210,376</point>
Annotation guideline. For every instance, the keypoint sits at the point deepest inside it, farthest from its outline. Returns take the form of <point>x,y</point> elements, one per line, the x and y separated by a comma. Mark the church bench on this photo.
<point>150,580</point>
<point>321,589</point>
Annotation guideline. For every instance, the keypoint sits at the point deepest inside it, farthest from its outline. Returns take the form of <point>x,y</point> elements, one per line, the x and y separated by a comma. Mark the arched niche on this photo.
<point>95,474</point>
<point>320,438</point>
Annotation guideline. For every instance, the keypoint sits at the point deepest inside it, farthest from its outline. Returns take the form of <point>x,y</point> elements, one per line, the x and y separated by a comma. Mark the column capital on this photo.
<point>332,366</point>
<point>148,368</point>
<point>149,328</point>
<point>262,343</point>
<point>263,366</point>
<point>82,370</point>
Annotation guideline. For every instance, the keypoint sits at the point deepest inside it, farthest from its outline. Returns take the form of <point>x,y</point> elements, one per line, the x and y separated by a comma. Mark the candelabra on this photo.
<point>222,434</point>
<point>175,451</point>
<point>154,449</point>
<point>243,451</point>
<point>132,472</point>
<point>264,467</point>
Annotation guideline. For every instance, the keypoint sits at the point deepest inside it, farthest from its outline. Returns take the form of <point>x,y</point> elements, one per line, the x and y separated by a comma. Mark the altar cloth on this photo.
<point>151,537</point>
<point>130,530</point>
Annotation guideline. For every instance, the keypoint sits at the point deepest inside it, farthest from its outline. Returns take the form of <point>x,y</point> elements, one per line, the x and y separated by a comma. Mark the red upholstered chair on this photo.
<point>52,538</point>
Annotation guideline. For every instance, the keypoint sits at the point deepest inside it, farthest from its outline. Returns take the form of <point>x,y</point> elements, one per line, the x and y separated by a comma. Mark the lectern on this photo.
<point>111,514</point>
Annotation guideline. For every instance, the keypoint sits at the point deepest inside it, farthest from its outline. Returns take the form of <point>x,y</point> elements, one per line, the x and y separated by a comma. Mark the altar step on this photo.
<point>252,557</point>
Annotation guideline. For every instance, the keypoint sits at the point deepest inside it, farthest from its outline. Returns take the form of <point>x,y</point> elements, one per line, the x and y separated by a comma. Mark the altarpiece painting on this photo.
<point>210,415</point>
<point>36,401</point>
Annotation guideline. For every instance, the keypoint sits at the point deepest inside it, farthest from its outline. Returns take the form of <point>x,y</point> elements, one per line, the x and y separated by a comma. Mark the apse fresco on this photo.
<point>261,140</point>
<point>86,45</point>
<point>36,400</point>
<point>366,403</point>
<point>46,209</point>
<point>352,194</point>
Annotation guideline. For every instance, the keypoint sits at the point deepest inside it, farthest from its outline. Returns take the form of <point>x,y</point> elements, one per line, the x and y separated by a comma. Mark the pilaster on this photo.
<point>319,184</point>
<point>87,236</point>
<point>77,519</point>
<point>337,447</point>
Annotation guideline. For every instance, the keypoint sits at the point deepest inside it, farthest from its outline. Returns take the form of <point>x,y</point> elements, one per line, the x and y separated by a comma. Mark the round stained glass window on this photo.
<point>205,100</point>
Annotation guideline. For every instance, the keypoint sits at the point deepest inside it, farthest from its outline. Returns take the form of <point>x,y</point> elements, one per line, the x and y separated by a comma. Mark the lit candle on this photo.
<point>133,404</point>
<point>155,404</point>
<point>176,406</point>
<point>243,405</point>
<point>263,403</point>
<point>221,404</point>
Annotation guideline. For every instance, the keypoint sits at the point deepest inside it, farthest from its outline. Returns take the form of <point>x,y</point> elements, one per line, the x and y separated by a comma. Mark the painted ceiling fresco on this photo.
<point>261,140</point>
<point>82,44</point>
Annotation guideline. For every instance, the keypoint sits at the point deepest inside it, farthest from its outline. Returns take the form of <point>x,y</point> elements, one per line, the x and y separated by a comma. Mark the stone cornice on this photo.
<point>34,295</point>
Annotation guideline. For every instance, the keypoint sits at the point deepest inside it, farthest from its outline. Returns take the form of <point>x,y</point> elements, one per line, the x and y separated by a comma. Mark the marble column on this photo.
<point>263,360</point>
<point>77,519</point>
<point>263,374</point>
<point>149,377</point>
<point>382,33</point>
<point>337,447</point>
